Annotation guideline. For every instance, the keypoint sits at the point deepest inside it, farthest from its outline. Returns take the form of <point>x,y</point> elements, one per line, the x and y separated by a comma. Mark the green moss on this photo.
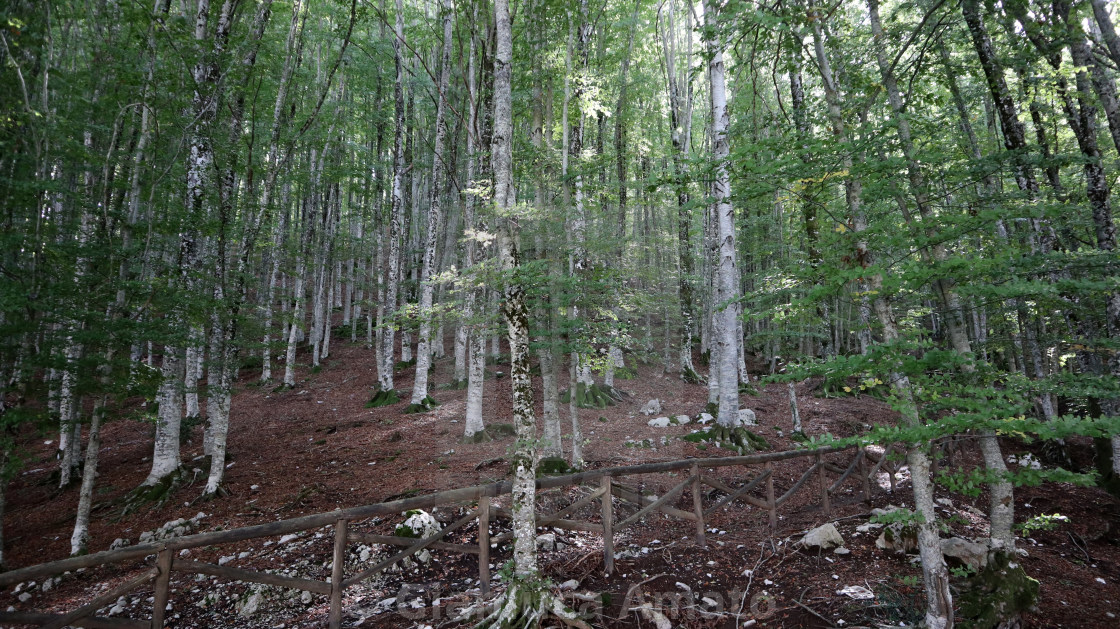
<point>425,405</point>
<point>383,398</point>
<point>455,385</point>
<point>625,373</point>
<point>690,376</point>
<point>998,594</point>
<point>553,466</point>
<point>738,439</point>
<point>404,364</point>
<point>493,432</point>
<point>595,396</point>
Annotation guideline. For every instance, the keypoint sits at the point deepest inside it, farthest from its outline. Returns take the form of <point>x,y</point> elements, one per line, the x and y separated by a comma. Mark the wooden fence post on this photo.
<point>608,525</point>
<point>826,506</point>
<point>484,544</point>
<point>335,619</point>
<point>770,506</point>
<point>162,587</point>
<point>864,475</point>
<point>698,506</point>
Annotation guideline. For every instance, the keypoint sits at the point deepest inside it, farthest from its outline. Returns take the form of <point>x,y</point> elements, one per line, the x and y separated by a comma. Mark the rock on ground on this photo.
<point>824,537</point>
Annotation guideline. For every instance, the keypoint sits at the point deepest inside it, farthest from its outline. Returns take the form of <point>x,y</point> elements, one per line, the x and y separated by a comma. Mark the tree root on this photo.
<point>739,439</point>
<point>689,375</point>
<point>425,405</point>
<point>525,605</point>
<point>594,396</point>
<point>383,398</point>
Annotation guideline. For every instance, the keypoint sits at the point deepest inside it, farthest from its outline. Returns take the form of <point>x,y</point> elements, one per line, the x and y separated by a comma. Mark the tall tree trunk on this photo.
<point>727,270</point>
<point>393,270</point>
<point>523,494</point>
<point>420,399</point>
<point>476,335</point>
<point>939,601</point>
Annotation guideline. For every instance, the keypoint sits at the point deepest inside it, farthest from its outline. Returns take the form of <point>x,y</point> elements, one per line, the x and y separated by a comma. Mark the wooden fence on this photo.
<point>863,466</point>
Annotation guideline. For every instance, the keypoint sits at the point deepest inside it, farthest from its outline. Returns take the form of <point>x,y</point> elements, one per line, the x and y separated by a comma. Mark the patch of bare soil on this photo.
<point>316,448</point>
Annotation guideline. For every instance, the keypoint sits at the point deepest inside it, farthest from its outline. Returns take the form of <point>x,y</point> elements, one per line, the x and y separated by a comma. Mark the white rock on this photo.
<point>570,584</point>
<point>705,418</point>
<point>681,420</point>
<point>288,538</point>
<point>26,596</point>
<point>651,407</point>
<point>659,422</point>
<point>546,541</point>
<point>305,598</point>
<point>224,560</point>
<point>747,417</point>
<point>840,550</point>
<point>970,553</point>
<point>249,606</point>
<point>824,537</point>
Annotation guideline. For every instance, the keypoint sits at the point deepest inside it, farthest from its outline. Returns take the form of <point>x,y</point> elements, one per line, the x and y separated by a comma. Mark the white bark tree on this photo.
<point>727,272</point>
<point>420,399</point>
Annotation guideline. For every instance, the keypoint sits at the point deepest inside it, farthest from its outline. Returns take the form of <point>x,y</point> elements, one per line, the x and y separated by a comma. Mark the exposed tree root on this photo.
<point>689,375</point>
<point>493,432</point>
<point>998,595</point>
<point>156,495</point>
<point>525,605</point>
<point>425,405</point>
<point>595,396</point>
<point>738,438</point>
<point>384,398</point>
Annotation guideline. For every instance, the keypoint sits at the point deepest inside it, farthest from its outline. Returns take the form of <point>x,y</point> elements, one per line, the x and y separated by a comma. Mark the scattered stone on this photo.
<point>546,541</point>
<point>288,538</point>
<point>681,420</point>
<point>867,527</point>
<point>747,417</point>
<point>823,537</point>
<point>659,422</point>
<point>705,418</point>
<point>840,550</point>
<point>172,529</point>
<point>1026,461</point>
<point>570,584</point>
<point>651,407</point>
<point>249,605</point>
<point>898,537</point>
<point>24,597</point>
<point>119,543</point>
<point>965,552</point>
<point>418,524</point>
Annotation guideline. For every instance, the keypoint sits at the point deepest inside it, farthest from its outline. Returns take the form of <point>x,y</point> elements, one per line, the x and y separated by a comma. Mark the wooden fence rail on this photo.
<point>607,491</point>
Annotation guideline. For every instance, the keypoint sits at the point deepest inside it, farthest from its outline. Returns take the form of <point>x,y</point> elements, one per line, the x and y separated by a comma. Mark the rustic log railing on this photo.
<point>607,490</point>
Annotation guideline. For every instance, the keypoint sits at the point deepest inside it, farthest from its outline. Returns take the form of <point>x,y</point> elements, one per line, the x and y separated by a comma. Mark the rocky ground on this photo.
<point>316,448</point>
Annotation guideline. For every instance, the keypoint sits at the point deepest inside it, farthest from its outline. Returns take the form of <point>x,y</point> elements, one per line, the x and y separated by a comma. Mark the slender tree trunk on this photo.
<point>476,336</point>
<point>939,601</point>
<point>393,272</point>
<point>435,221</point>
<point>514,308</point>
<point>727,271</point>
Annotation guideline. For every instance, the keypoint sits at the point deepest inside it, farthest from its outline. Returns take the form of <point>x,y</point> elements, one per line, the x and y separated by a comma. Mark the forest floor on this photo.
<point>316,448</point>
